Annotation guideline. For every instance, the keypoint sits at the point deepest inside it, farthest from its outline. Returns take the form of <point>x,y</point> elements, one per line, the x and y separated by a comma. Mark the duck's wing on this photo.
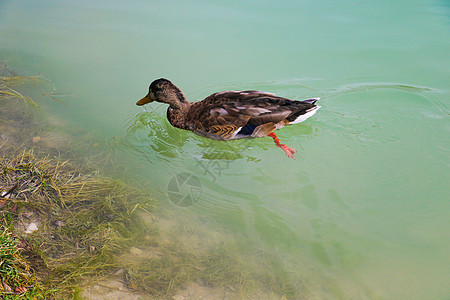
<point>228,112</point>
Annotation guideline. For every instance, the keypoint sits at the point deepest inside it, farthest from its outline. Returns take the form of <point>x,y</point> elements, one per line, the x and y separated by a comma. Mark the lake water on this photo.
<point>363,211</point>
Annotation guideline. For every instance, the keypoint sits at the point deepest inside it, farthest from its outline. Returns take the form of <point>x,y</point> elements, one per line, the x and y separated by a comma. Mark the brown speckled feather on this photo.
<point>239,108</point>
<point>230,114</point>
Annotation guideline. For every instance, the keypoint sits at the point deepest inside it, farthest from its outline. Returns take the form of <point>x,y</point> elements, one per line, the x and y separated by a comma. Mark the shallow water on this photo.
<point>363,208</point>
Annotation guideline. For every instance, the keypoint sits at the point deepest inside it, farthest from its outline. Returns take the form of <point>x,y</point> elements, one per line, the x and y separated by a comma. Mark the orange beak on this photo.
<point>144,100</point>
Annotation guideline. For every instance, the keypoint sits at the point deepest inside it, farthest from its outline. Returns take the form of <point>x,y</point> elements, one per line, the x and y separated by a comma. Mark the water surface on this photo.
<point>363,210</point>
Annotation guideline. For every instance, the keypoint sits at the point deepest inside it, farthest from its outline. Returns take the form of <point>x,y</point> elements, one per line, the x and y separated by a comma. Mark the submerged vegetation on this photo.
<point>68,222</point>
<point>18,280</point>
<point>9,81</point>
<point>78,224</point>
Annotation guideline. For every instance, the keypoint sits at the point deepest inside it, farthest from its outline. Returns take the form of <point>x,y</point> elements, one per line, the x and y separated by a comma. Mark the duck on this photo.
<point>231,115</point>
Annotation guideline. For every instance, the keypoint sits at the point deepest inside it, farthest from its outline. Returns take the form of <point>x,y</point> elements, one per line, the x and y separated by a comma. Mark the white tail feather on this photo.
<point>303,117</point>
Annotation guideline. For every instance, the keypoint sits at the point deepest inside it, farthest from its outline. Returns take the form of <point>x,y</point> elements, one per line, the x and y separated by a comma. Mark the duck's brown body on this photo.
<point>232,114</point>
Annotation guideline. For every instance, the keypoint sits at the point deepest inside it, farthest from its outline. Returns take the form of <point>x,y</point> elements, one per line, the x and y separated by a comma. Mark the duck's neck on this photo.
<point>176,99</point>
<point>177,116</point>
<point>178,108</point>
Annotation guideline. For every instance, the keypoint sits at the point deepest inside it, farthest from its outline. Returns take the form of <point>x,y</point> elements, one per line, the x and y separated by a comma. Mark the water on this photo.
<point>363,210</point>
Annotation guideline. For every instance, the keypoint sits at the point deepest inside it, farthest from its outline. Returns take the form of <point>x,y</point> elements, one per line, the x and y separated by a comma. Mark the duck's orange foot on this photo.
<point>288,150</point>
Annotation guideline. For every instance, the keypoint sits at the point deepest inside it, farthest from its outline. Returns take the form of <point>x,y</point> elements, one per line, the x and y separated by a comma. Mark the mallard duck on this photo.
<point>231,114</point>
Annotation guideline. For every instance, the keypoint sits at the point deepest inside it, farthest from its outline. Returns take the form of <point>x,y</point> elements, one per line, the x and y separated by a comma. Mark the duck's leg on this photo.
<point>267,130</point>
<point>288,150</point>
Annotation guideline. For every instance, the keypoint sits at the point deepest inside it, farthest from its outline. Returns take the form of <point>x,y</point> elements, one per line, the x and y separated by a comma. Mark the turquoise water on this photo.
<point>363,210</point>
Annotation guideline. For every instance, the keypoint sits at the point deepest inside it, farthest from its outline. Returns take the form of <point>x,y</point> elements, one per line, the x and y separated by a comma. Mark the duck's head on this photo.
<point>162,90</point>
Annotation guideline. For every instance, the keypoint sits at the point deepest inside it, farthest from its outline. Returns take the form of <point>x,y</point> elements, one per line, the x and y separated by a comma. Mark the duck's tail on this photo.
<point>310,101</point>
<point>309,112</point>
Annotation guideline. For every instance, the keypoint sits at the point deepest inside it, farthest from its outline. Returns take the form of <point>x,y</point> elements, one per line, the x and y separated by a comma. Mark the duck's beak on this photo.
<point>144,100</point>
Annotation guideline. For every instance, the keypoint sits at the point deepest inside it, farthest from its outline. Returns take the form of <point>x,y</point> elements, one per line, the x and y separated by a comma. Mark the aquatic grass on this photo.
<point>165,275</point>
<point>18,280</point>
<point>9,81</point>
<point>85,221</point>
<point>187,254</point>
<point>218,266</point>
